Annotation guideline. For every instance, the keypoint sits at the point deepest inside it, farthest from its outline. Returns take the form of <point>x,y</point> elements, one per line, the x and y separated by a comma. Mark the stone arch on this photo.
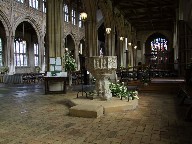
<point>32,21</point>
<point>72,36</point>
<point>106,12</point>
<point>67,42</point>
<point>165,33</point>
<point>159,59</point>
<point>5,22</point>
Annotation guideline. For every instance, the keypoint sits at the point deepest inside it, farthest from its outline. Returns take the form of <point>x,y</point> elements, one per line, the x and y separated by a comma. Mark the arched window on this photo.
<point>159,50</point>
<point>1,52</point>
<point>44,6</point>
<point>73,17</point>
<point>33,3</point>
<point>20,52</point>
<point>36,54</point>
<point>66,13</point>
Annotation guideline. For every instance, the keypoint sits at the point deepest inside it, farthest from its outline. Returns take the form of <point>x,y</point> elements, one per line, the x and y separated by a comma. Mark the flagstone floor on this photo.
<point>27,116</point>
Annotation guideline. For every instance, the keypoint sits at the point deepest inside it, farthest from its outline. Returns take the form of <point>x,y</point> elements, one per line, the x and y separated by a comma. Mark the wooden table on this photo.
<point>48,80</point>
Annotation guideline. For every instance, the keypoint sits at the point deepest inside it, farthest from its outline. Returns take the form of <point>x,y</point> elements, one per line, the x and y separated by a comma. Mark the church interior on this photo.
<point>95,71</point>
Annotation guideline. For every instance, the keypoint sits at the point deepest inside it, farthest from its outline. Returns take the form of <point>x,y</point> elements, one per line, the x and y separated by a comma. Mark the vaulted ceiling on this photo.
<point>148,14</point>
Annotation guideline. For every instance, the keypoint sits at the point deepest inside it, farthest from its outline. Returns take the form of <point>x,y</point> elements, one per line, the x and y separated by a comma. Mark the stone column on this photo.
<point>77,54</point>
<point>10,54</point>
<point>91,27</point>
<point>108,50</point>
<point>91,38</point>
<point>54,25</point>
<point>41,53</point>
<point>110,43</point>
<point>113,42</point>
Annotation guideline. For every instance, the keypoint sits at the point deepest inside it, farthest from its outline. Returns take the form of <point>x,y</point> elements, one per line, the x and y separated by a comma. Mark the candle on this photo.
<point>81,48</point>
<point>125,43</point>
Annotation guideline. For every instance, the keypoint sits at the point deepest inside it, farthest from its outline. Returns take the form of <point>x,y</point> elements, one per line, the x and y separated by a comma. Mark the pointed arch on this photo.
<point>5,22</point>
<point>32,21</point>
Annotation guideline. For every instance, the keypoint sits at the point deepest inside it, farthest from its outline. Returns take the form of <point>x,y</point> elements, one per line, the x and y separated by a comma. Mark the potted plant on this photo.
<point>69,64</point>
<point>4,69</point>
<point>120,90</point>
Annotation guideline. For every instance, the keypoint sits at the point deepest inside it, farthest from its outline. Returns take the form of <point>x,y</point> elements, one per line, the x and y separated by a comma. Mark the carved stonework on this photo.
<point>101,67</point>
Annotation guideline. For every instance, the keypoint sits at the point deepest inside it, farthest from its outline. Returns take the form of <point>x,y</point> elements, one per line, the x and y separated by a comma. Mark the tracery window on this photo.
<point>36,54</point>
<point>1,52</point>
<point>73,17</point>
<point>20,52</point>
<point>44,6</point>
<point>33,3</point>
<point>159,50</point>
<point>66,13</point>
<point>21,1</point>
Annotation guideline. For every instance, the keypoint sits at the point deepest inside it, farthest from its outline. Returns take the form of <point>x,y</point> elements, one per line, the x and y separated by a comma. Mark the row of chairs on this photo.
<point>33,77</point>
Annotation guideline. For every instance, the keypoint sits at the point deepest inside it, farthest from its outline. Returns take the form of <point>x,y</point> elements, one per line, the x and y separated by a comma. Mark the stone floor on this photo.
<point>27,116</point>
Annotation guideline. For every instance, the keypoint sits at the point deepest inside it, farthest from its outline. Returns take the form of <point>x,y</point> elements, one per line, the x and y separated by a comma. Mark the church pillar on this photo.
<point>113,42</point>
<point>90,28</point>
<point>77,54</point>
<point>10,54</point>
<point>54,28</point>
<point>108,47</point>
<point>110,43</point>
<point>91,38</point>
<point>121,51</point>
<point>41,53</point>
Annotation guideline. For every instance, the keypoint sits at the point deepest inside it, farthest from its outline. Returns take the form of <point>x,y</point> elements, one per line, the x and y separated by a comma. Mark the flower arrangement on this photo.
<point>70,64</point>
<point>120,90</point>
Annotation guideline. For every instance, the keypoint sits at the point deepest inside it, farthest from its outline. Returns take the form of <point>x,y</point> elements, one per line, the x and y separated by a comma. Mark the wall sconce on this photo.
<point>108,30</point>
<point>129,44</point>
<point>83,16</point>
<point>135,47</point>
<point>121,38</point>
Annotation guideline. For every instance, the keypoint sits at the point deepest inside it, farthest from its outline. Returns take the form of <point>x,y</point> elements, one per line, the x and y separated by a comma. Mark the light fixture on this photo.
<point>83,16</point>
<point>129,44</point>
<point>121,38</point>
<point>135,47</point>
<point>108,30</point>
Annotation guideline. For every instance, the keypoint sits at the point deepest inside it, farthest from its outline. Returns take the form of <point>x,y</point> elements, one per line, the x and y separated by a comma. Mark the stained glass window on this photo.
<point>159,50</point>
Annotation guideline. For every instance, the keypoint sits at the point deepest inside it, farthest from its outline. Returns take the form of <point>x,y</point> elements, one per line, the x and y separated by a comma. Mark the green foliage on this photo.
<point>70,64</point>
<point>145,75</point>
<point>119,90</point>
<point>4,69</point>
